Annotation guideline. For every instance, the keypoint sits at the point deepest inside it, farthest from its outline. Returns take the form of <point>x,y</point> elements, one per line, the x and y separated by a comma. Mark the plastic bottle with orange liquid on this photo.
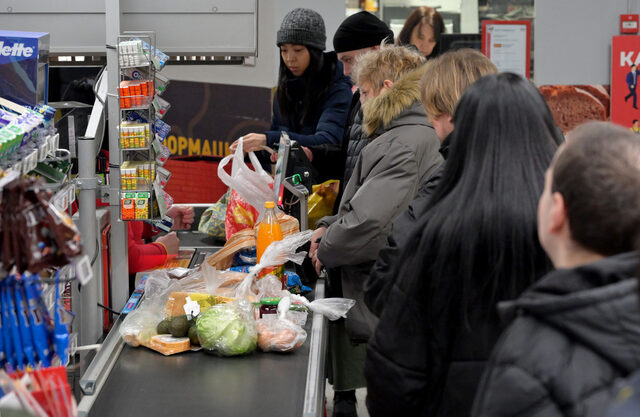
<point>269,231</point>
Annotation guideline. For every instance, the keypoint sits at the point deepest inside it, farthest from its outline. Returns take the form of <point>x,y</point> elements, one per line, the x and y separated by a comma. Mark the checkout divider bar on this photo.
<point>315,385</point>
<point>97,372</point>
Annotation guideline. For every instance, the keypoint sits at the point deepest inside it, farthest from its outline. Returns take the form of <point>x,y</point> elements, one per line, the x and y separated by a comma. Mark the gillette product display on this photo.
<point>24,67</point>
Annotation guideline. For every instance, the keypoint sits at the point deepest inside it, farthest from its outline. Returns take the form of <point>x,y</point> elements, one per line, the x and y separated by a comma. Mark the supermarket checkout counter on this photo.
<point>124,381</point>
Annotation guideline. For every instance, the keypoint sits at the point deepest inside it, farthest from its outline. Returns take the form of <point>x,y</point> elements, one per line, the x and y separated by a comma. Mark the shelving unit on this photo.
<point>137,156</point>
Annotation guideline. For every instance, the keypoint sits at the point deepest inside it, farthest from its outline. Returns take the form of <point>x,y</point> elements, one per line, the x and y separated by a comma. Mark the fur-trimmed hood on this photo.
<point>380,111</point>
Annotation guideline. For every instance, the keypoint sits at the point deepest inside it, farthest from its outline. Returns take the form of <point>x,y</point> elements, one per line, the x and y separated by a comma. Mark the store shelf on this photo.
<point>146,148</point>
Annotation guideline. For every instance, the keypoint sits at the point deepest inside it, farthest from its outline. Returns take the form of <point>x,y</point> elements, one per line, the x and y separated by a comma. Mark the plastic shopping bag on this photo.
<point>212,221</point>
<point>277,333</point>
<point>240,215</point>
<point>277,253</point>
<point>322,200</point>
<point>254,186</point>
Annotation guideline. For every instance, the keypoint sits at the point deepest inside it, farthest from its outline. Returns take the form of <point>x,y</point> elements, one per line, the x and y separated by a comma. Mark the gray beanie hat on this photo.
<point>303,27</point>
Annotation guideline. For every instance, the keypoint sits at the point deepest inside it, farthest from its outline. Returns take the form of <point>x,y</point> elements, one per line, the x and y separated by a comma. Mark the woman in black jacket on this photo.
<point>476,245</point>
<point>313,96</point>
<point>577,330</point>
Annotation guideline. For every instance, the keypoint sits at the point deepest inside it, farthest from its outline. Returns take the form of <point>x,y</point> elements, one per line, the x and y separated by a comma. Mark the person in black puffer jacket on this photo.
<point>445,79</point>
<point>577,330</point>
<point>476,244</point>
<point>357,34</point>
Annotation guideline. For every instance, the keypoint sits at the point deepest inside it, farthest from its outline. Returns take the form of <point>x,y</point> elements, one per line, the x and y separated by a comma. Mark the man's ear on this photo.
<point>558,219</point>
<point>387,83</point>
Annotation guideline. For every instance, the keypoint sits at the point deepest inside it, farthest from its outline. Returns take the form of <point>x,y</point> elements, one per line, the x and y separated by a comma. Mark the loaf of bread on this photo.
<point>574,105</point>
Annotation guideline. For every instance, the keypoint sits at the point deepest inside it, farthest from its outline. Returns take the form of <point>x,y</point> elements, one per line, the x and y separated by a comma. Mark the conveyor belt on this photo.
<point>146,383</point>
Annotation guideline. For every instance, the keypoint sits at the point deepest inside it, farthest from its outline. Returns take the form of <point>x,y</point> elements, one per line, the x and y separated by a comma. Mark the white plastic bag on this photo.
<point>277,253</point>
<point>253,185</point>
<point>331,308</point>
<point>277,333</point>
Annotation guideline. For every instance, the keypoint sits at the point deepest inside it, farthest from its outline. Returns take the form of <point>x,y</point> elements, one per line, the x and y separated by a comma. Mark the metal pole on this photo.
<point>89,327</point>
<point>119,236</point>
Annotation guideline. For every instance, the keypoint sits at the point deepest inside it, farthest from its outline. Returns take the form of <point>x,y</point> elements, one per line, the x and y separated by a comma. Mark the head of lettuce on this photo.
<point>227,329</point>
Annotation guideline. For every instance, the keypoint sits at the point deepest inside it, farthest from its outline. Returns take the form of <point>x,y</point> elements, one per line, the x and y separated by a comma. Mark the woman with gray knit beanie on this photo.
<point>313,96</point>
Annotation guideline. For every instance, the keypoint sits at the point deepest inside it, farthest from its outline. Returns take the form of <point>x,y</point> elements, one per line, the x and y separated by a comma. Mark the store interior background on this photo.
<point>217,103</point>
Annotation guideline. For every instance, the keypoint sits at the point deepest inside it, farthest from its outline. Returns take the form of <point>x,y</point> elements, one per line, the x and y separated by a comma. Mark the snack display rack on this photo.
<point>141,132</point>
<point>135,100</point>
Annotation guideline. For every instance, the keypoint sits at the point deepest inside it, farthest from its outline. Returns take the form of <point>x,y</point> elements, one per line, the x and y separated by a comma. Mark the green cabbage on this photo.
<point>226,329</point>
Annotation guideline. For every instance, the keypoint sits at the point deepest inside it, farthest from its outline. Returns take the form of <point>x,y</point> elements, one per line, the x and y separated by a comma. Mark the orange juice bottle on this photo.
<point>269,231</point>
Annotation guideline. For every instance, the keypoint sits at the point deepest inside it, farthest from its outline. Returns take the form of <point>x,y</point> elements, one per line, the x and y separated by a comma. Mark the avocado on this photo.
<point>163,327</point>
<point>193,336</point>
<point>179,326</point>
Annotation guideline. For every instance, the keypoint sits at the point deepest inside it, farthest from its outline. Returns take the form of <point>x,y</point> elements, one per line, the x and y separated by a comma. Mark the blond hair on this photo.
<point>448,75</point>
<point>389,62</point>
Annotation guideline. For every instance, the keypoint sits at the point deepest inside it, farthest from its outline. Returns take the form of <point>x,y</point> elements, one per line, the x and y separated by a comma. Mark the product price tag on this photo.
<point>191,308</point>
<point>84,273</point>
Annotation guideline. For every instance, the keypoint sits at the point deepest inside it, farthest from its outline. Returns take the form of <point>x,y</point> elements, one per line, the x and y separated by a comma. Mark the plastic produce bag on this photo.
<point>254,186</point>
<point>228,329</point>
<point>213,219</point>
<point>277,253</point>
<point>140,325</point>
<point>244,239</point>
<point>322,200</point>
<point>276,333</point>
<point>331,308</point>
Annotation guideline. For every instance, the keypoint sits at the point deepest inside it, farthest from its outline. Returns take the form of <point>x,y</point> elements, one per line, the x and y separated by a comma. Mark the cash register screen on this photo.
<point>281,167</point>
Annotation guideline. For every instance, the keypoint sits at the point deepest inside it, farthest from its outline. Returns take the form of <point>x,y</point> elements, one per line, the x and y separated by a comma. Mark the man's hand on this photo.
<point>171,243</point>
<point>250,142</point>
<point>315,240</point>
<point>317,263</point>
<point>182,216</point>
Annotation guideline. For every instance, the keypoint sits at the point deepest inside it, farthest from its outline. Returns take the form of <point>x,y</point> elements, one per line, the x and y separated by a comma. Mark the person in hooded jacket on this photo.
<point>313,96</point>
<point>403,152</point>
<point>577,330</point>
<point>476,244</point>
<point>444,80</point>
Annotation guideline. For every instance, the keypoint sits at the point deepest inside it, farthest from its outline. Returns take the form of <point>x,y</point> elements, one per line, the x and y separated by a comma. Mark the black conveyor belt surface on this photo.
<point>190,384</point>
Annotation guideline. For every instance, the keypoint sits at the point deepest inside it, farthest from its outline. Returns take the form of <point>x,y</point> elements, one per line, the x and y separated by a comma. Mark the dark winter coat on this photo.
<point>403,153</point>
<point>385,269</point>
<point>326,125</point>
<point>572,335</point>
<point>422,359</point>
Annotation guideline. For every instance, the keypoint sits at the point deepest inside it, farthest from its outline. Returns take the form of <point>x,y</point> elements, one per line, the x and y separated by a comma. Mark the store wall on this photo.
<point>572,40</point>
<point>265,71</point>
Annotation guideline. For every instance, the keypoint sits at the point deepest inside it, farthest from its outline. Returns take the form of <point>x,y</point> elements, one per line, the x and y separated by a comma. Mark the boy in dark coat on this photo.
<point>577,330</point>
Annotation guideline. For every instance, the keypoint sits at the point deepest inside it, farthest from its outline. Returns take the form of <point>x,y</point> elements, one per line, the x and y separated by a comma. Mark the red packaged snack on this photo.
<point>240,215</point>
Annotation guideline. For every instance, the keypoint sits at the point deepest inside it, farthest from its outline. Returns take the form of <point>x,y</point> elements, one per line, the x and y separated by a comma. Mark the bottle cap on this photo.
<point>269,204</point>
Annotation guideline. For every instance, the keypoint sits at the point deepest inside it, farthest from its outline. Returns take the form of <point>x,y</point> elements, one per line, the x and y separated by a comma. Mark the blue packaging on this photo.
<point>60,331</point>
<point>24,67</point>
<point>22,311</point>
<point>38,317</point>
<point>6,328</point>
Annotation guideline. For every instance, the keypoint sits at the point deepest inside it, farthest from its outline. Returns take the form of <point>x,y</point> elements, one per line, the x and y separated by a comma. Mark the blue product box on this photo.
<point>24,67</point>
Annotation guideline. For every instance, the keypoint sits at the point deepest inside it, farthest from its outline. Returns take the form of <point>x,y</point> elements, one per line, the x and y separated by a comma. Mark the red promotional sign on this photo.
<point>625,75</point>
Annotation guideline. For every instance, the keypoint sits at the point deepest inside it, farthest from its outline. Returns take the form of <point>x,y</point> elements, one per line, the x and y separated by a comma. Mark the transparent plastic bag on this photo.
<point>140,325</point>
<point>276,333</point>
<point>253,185</point>
<point>331,308</point>
<point>277,253</point>
<point>228,329</point>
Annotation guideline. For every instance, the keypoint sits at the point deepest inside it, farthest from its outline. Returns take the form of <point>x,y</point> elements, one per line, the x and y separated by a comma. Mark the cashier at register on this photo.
<point>313,95</point>
<point>142,255</point>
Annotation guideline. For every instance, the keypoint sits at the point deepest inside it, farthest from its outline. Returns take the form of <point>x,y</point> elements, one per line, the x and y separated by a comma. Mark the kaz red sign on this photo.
<point>625,76</point>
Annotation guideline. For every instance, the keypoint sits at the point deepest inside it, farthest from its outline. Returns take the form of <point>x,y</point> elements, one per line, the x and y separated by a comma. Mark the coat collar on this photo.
<point>380,111</point>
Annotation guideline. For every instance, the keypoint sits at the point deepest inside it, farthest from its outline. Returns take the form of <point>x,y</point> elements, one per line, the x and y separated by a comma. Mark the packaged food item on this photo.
<point>269,231</point>
<point>128,206</point>
<point>177,300</point>
<point>142,205</point>
<point>276,333</point>
<point>169,345</point>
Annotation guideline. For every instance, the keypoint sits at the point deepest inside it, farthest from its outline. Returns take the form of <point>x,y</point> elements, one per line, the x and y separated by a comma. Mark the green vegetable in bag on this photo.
<point>227,329</point>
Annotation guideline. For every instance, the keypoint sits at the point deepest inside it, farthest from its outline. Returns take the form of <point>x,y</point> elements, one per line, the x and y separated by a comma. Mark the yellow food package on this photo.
<point>169,345</point>
<point>176,301</point>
